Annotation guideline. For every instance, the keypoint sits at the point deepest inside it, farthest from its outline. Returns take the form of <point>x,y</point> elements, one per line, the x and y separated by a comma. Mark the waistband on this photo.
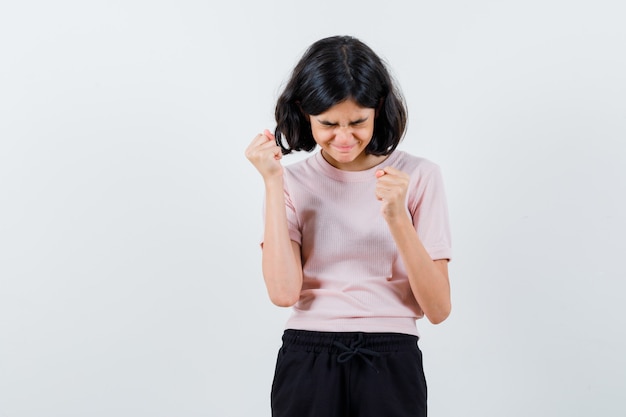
<point>333,342</point>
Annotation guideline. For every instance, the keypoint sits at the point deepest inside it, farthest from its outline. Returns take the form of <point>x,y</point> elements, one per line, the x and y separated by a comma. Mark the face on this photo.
<point>343,132</point>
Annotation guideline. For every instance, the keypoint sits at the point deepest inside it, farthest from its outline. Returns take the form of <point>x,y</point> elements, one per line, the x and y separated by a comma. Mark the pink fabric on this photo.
<point>354,279</point>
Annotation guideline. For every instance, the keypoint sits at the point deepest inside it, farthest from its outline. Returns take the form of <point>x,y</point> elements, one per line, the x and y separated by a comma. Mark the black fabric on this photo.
<point>325,374</point>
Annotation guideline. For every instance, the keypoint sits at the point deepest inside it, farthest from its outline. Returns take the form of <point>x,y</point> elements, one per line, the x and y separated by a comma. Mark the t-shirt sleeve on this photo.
<point>429,210</point>
<point>292,218</point>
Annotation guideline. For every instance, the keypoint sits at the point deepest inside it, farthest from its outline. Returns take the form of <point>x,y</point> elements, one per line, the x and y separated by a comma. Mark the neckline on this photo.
<point>352,176</point>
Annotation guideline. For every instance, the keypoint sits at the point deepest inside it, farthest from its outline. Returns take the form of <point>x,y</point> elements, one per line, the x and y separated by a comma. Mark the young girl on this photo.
<point>356,239</point>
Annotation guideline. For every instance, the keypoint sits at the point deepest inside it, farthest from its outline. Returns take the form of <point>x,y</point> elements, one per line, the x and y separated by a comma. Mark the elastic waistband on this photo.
<point>312,341</point>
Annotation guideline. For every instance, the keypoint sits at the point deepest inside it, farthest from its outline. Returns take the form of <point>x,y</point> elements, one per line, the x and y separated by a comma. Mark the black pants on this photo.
<point>348,375</point>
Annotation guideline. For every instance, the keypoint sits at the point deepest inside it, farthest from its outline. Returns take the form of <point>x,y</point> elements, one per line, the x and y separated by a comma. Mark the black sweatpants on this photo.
<point>320,374</point>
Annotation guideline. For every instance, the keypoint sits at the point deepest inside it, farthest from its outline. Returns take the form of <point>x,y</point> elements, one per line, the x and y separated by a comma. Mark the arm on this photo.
<point>428,279</point>
<point>282,264</point>
<point>281,260</point>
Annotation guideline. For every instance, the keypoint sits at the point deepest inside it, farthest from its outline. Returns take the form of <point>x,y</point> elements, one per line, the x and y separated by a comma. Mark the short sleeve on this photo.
<point>292,218</point>
<point>293,224</point>
<point>429,211</point>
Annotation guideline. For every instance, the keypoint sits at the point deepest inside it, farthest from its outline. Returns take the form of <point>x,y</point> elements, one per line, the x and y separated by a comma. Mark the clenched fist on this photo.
<point>265,155</point>
<point>391,189</point>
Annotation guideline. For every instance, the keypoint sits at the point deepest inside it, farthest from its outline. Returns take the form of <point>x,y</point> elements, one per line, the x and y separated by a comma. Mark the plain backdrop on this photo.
<point>130,280</point>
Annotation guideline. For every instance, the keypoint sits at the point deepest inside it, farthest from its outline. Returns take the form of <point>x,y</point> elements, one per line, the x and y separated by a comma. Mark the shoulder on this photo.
<point>426,181</point>
<point>301,173</point>
<point>302,166</point>
<point>415,166</point>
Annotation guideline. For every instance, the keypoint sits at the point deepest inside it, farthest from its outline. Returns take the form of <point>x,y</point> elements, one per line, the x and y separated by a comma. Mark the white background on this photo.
<point>130,279</point>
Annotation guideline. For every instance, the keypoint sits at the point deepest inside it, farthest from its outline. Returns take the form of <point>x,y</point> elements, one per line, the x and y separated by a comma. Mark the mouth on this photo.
<point>343,149</point>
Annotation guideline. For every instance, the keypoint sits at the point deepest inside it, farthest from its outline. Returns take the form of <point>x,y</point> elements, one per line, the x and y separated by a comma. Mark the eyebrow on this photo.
<point>329,123</point>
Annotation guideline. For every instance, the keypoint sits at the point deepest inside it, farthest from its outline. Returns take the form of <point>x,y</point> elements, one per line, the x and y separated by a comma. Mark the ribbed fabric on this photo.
<point>354,279</point>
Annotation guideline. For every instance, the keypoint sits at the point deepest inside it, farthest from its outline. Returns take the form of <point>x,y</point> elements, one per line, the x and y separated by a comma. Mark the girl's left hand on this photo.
<point>391,189</point>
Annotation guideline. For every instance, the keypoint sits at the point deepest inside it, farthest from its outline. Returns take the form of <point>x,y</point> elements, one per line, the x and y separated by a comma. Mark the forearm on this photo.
<point>282,269</point>
<point>428,279</point>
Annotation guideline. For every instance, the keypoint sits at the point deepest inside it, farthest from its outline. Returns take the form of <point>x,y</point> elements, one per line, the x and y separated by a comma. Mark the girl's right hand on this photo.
<point>265,155</point>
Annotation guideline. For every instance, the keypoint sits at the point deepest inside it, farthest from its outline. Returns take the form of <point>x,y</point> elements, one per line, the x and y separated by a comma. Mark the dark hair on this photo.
<point>330,71</point>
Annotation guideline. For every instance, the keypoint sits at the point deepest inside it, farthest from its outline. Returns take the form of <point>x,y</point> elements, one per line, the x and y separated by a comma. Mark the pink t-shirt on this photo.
<point>354,279</point>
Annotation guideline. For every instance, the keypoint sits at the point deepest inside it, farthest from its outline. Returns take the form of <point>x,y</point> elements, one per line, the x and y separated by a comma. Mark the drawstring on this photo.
<point>356,349</point>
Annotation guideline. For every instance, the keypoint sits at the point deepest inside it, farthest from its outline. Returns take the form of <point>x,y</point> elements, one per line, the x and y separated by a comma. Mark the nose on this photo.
<point>343,134</point>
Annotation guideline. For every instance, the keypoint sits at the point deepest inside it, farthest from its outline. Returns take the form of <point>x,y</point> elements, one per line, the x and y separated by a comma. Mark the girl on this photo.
<point>356,239</point>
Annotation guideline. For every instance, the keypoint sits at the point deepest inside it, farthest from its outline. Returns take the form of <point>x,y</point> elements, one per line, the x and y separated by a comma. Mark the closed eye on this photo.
<point>326,123</point>
<point>358,122</point>
<point>333,124</point>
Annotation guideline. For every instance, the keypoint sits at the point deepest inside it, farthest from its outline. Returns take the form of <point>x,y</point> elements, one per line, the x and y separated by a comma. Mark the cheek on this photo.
<point>321,135</point>
<point>364,134</point>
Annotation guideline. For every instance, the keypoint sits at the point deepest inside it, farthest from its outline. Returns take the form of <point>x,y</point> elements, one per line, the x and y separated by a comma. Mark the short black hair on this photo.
<point>331,71</point>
